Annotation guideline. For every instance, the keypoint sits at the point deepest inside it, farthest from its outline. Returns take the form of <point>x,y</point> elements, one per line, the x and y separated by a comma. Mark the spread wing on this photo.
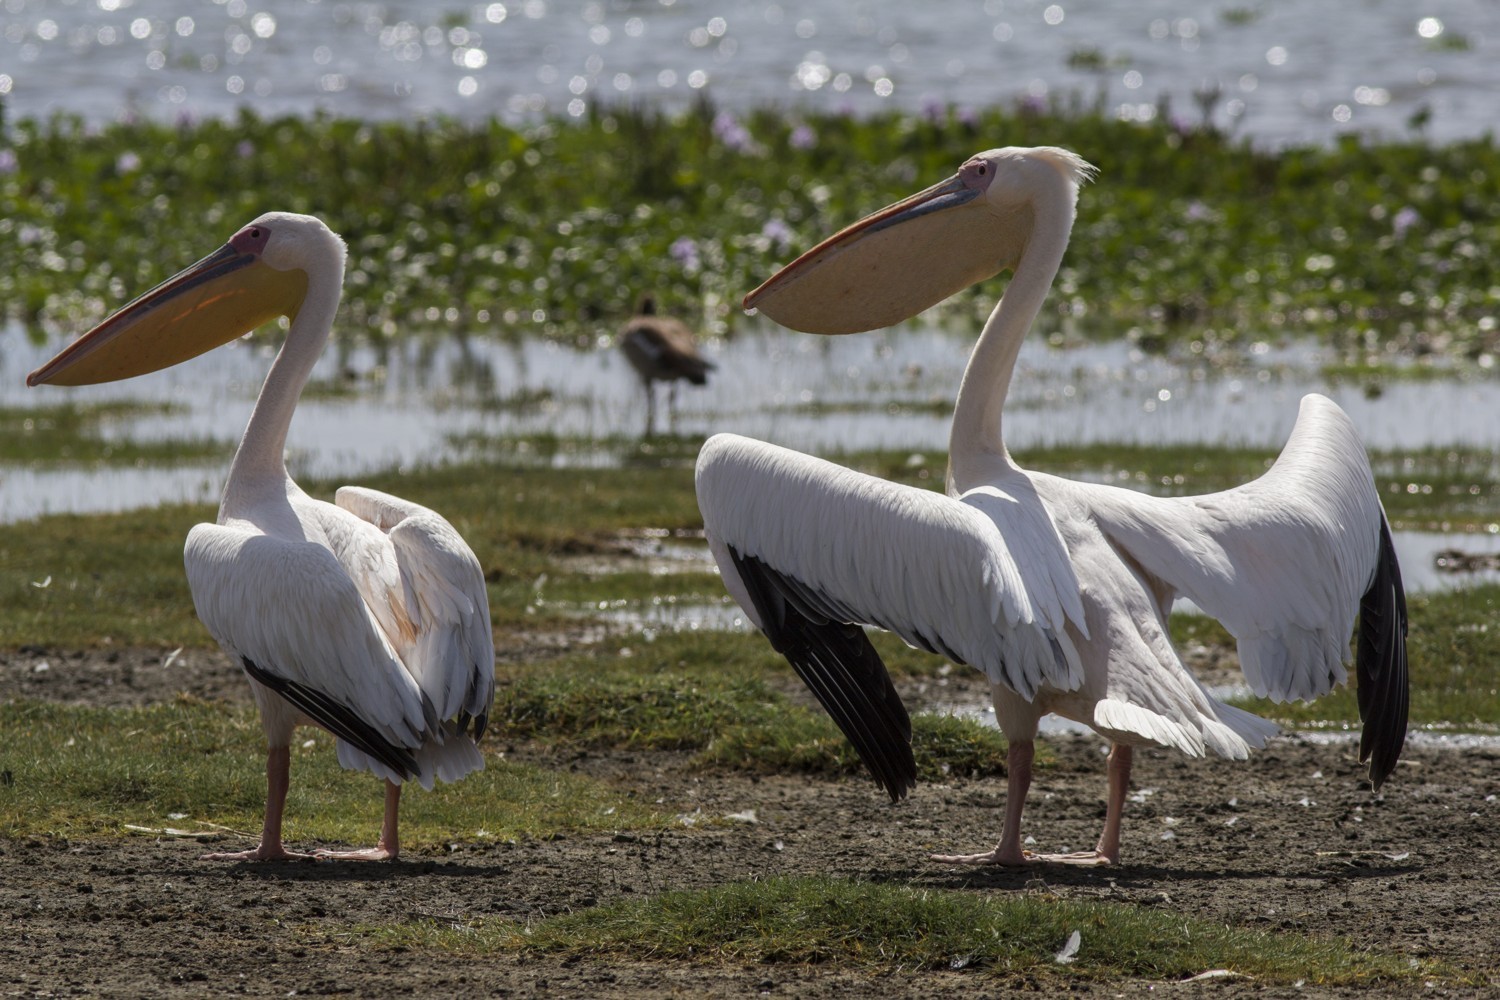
<point>1286,562</point>
<point>809,548</point>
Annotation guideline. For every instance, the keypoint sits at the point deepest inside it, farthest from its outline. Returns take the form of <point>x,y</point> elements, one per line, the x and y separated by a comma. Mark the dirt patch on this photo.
<point>1291,840</point>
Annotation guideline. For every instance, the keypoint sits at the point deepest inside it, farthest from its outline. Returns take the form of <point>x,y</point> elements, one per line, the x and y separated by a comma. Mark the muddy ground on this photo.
<point>1291,840</point>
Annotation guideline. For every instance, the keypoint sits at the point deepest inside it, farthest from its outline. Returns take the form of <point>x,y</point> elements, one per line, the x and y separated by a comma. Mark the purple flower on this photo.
<point>966,117</point>
<point>8,162</point>
<point>729,131</point>
<point>934,110</point>
<point>779,233</point>
<point>1404,220</point>
<point>244,149</point>
<point>127,163</point>
<point>802,137</point>
<point>185,119</point>
<point>1197,211</point>
<point>684,250</point>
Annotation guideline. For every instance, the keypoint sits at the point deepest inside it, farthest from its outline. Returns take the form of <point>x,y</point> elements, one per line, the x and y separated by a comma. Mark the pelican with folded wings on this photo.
<point>1058,591</point>
<point>367,616</point>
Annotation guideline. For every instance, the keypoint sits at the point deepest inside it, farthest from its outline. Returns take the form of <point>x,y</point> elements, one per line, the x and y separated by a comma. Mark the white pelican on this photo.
<point>662,349</point>
<point>1059,591</point>
<point>368,616</point>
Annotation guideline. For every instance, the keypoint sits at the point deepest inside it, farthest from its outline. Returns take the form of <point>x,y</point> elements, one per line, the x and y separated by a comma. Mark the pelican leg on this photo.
<point>1108,850</point>
<point>1009,851</point>
<point>389,845</point>
<point>1114,809</point>
<point>1018,780</point>
<point>278,779</point>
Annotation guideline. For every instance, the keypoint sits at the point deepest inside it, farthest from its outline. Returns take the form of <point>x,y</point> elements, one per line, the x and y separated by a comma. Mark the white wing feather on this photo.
<point>1282,561</point>
<point>442,597</point>
<point>291,609</point>
<point>941,573</point>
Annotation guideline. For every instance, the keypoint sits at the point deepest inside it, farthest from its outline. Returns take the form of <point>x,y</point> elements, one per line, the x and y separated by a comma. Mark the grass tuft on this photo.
<point>720,695</point>
<point>813,920</point>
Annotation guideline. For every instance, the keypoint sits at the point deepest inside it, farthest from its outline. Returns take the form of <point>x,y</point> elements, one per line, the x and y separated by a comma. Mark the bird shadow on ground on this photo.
<point>340,871</point>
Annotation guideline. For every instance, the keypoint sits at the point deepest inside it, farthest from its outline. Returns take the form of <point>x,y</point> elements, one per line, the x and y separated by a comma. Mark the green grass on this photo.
<point>813,920</point>
<point>1189,237</point>
<point>70,434</point>
<point>88,772</point>
<point>719,695</point>
<point>81,581</point>
<point>802,739</point>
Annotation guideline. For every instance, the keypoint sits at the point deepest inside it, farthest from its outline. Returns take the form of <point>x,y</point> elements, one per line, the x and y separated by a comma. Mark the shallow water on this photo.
<point>430,400</point>
<point>1284,72</point>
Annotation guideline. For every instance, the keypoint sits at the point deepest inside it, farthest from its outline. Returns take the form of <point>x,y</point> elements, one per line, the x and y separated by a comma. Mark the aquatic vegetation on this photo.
<point>551,228</point>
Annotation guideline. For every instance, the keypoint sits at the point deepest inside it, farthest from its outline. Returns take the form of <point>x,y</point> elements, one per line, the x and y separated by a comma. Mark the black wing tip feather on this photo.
<point>474,724</point>
<point>876,724</point>
<point>338,719</point>
<point>1380,664</point>
<point>843,670</point>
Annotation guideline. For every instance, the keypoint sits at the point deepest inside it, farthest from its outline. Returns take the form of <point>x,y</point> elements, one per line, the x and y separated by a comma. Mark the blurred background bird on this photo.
<point>662,349</point>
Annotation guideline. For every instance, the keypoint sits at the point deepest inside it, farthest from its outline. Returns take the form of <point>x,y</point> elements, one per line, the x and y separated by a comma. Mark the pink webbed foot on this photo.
<point>1025,859</point>
<point>377,853</point>
<point>261,853</point>
<point>1081,859</point>
<point>389,844</point>
<point>1005,859</point>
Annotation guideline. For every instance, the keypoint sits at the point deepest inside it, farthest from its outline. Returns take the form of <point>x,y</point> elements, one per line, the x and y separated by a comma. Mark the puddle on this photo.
<point>27,493</point>
<point>1426,737</point>
<point>1424,556</point>
<point>665,614</point>
<point>656,551</point>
